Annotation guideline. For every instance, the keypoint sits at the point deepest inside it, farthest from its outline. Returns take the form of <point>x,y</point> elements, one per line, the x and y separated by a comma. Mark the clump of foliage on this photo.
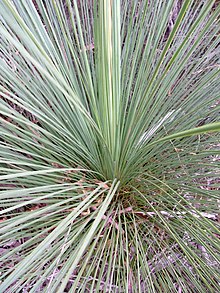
<point>109,152</point>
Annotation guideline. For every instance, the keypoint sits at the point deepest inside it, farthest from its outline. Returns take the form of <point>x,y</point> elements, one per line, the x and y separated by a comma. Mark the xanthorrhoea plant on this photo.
<point>114,185</point>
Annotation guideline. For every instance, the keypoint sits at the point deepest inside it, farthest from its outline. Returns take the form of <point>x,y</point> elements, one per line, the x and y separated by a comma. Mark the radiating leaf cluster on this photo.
<point>109,147</point>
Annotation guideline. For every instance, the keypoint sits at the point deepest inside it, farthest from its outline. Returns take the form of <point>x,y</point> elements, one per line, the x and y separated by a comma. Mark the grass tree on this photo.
<point>109,152</point>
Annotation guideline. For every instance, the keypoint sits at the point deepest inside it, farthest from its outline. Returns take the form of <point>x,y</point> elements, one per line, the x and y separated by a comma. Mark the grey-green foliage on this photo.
<point>109,152</point>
